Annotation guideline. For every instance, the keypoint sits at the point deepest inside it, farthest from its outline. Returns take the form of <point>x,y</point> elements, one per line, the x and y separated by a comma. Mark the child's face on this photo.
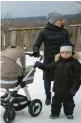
<point>66,54</point>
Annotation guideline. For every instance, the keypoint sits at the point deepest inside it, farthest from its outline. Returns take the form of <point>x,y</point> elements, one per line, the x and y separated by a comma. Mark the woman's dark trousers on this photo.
<point>47,87</point>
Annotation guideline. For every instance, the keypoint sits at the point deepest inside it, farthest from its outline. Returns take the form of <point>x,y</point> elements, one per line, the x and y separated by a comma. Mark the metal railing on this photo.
<point>25,37</point>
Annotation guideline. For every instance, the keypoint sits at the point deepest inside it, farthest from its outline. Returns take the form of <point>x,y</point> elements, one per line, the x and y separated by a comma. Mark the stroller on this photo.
<point>12,101</point>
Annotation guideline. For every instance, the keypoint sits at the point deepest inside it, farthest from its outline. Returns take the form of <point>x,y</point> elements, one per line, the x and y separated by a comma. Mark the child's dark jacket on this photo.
<point>67,75</point>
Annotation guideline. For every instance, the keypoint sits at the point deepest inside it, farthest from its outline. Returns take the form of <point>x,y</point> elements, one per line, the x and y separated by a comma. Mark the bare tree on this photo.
<point>6,20</point>
<point>79,2</point>
<point>79,6</point>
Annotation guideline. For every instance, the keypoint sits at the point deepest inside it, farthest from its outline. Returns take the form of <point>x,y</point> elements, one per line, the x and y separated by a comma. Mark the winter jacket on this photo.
<point>67,75</point>
<point>52,37</point>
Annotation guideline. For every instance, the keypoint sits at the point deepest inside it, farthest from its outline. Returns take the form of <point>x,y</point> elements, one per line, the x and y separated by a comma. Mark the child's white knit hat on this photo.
<point>68,46</point>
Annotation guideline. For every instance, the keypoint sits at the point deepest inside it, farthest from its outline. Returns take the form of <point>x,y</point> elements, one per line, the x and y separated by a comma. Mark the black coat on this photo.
<point>67,75</point>
<point>52,37</point>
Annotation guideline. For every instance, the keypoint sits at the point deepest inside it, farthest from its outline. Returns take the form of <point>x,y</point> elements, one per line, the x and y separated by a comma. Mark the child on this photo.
<point>66,81</point>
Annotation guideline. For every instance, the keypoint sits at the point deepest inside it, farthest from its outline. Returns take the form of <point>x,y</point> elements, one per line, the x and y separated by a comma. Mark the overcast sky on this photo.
<point>36,8</point>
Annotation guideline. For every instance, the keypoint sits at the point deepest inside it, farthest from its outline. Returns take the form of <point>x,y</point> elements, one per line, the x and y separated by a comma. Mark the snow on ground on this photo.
<point>36,90</point>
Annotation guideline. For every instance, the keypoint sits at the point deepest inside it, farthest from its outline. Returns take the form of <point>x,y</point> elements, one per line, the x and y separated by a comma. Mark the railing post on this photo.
<point>13,38</point>
<point>79,39</point>
<point>20,38</point>
<point>7,38</point>
<point>2,41</point>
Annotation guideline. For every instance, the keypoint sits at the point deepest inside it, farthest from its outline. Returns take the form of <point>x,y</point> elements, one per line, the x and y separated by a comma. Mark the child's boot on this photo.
<point>69,116</point>
<point>53,117</point>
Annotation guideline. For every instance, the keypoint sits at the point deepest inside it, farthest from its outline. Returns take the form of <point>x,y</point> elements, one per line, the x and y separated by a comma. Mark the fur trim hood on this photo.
<point>77,56</point>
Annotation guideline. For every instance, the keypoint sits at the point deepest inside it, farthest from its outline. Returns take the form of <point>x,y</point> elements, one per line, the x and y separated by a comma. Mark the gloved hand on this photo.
<point>37,64</point>
<point>35,54</point>
<point>73,92</point>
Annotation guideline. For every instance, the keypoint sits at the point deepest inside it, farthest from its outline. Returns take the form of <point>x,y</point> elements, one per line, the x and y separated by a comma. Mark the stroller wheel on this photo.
<point>35,107</point>
<point>9,115</point>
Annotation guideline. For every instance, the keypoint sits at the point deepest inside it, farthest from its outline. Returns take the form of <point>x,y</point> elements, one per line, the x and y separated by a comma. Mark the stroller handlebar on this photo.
<point>41,57</point>
<point>31,54</point>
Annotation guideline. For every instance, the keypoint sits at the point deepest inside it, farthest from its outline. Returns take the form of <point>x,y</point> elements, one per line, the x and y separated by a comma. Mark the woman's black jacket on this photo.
<point>52,37</point>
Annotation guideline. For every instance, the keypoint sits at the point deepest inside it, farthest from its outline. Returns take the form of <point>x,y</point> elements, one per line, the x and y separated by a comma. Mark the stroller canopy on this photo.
<point>12,63</point>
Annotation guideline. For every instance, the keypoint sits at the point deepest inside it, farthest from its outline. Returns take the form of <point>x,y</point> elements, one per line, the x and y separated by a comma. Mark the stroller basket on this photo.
<point>19,102</point>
